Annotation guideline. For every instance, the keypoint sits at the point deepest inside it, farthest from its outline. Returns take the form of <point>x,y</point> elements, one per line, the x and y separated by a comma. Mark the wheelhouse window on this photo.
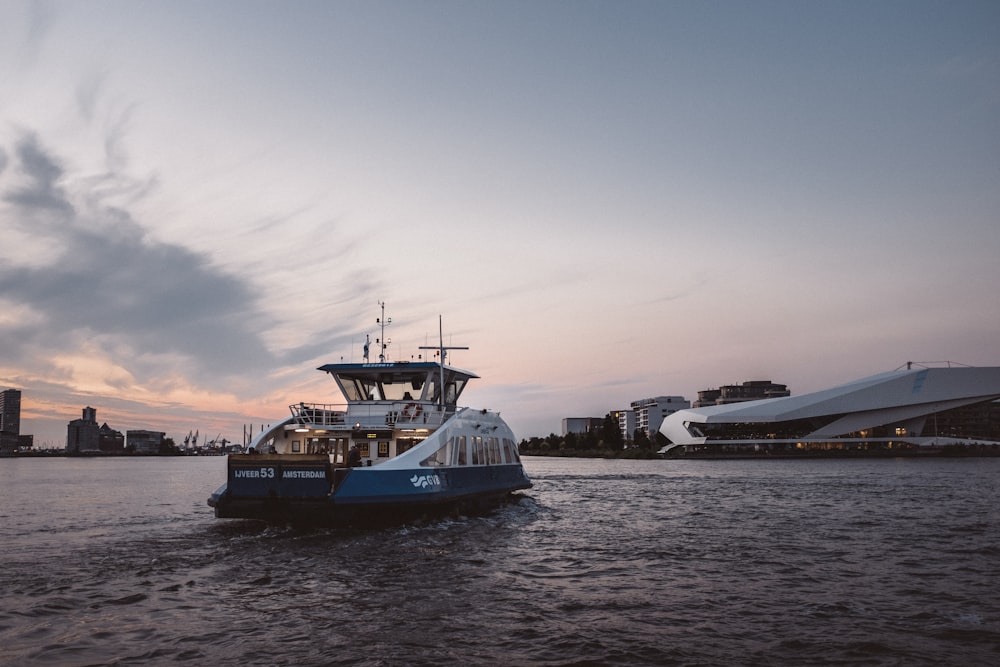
<point>402,387</point>
<point>397,387</point>
<point>453,386</point>
<point>359,389</point>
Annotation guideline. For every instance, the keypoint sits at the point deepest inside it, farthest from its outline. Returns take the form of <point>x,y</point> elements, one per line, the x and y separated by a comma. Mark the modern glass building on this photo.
<point>911,407</point>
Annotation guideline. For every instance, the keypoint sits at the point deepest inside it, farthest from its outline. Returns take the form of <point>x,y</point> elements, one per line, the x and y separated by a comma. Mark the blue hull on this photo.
<point>308,490</point>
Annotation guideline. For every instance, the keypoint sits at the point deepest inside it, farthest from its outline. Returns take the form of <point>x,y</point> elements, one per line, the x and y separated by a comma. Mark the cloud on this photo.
<point>30,26</point>
<point>88,272</point>
<point>41,192</point>
<point>682,292</point>
<point>87,94</point>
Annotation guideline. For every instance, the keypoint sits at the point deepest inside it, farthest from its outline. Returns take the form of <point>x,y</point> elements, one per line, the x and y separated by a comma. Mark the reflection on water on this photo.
<point>120,561</point>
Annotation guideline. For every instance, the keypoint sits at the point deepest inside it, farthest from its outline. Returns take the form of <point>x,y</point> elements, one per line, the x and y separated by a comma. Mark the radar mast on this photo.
<point>442,351</point>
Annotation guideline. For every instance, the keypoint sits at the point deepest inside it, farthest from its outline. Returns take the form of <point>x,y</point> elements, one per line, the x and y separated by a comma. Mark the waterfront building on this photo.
<point>110,441</point>
<point>10,411</point>
<point>913,406</point>
<point>144,442</point>
<point>10,421</point>
<point>581,425</point>
<point>650,413</point>
<point>626,423</point>
<point>83,436</point>
<point>752,390</point>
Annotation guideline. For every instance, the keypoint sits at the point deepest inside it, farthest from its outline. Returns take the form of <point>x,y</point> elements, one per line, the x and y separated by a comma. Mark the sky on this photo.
<point>202,202</point>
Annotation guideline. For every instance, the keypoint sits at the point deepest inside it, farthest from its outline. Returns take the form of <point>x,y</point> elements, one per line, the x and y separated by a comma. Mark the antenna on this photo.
<point>383,343</point>
<point>443,350</point>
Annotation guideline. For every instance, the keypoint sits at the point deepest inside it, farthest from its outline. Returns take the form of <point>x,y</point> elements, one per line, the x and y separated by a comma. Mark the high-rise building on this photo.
<point>11,440</point>
<point>10,420</point>
<point>10,411</point>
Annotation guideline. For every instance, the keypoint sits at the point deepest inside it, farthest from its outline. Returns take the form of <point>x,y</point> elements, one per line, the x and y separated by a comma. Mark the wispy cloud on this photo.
<point>30,30</point>
<point>682,292</point>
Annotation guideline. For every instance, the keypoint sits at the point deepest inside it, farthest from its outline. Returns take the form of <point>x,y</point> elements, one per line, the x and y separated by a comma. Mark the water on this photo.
<point>857,562</point>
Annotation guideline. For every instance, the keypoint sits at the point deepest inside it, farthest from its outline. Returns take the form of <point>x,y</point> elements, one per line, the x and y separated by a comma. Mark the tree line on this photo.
<point>603,442</point>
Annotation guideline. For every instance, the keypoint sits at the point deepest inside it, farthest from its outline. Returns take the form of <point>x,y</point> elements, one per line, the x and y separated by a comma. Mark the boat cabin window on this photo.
<point>475,450</point>
<point>401,388</point>
<point>406,444</point>
<point>442,456</point>
<point>452,453</point>
<point>358,389</point>
<point>510,451</point>
<point>383,388</point>
<point>453,387</point>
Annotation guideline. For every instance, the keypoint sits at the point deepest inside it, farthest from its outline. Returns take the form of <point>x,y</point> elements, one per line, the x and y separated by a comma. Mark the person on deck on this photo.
<point>354,457</point>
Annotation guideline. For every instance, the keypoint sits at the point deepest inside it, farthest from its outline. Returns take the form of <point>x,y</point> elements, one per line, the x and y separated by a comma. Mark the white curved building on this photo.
<point>910,407</point>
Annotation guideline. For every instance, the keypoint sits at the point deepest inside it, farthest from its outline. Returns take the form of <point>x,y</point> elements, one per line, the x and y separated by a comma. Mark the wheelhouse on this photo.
<point>400,381</point>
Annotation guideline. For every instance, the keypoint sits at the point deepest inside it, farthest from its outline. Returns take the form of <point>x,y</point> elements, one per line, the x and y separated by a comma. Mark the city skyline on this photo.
<point>201,204</point>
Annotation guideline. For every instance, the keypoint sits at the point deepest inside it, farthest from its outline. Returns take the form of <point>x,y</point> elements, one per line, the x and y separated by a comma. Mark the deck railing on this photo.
<point>319,415</point>
<point>392,414</point>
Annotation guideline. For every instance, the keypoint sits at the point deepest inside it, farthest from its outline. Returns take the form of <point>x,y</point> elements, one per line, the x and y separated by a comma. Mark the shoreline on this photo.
<point>97,455</point>
<point>950,451</point>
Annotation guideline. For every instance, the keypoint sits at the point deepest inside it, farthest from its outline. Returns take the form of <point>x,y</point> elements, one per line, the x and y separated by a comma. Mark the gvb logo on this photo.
<point>423,481</point>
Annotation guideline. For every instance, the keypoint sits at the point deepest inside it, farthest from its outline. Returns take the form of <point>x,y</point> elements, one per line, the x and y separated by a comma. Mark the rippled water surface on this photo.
<point>862,562</point>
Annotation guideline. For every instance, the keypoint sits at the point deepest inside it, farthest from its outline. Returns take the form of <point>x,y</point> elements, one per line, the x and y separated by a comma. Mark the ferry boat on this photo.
<point>401,447</point>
